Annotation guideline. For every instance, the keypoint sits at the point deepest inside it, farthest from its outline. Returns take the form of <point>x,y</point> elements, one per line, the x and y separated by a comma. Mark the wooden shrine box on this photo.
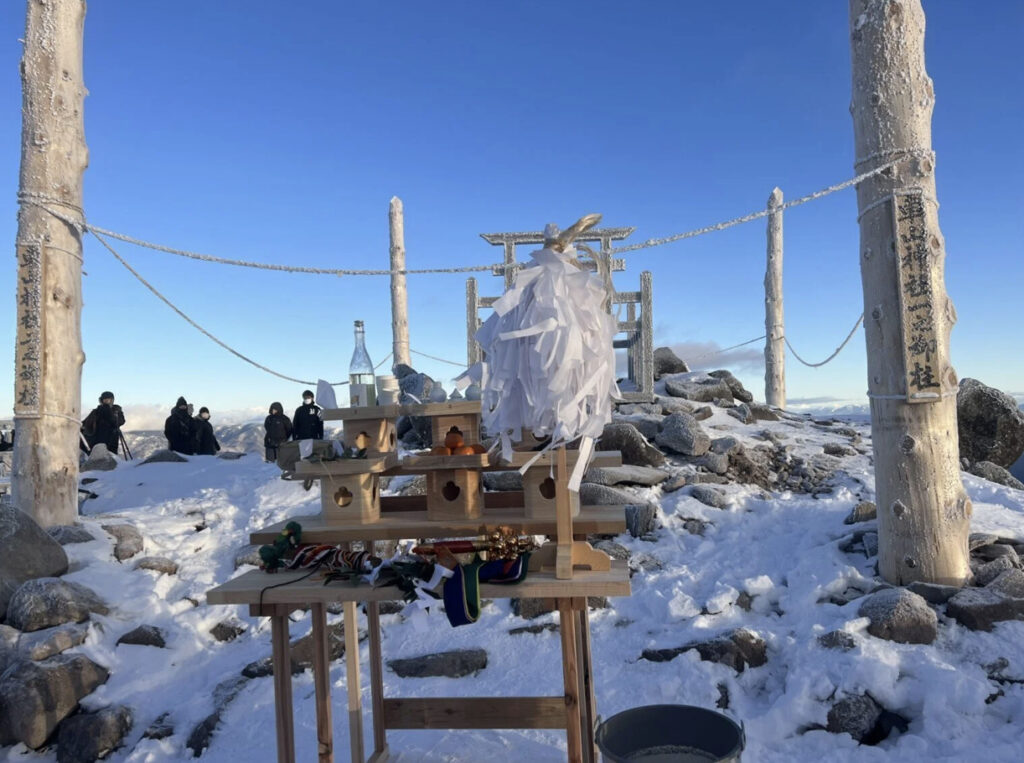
<point>454,494</point>
<point>349,488</point>
<point>541,486</point>
<point>377,435</point>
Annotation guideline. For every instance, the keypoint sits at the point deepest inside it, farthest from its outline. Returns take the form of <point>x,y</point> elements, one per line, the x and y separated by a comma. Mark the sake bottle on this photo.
<point>360,372</point>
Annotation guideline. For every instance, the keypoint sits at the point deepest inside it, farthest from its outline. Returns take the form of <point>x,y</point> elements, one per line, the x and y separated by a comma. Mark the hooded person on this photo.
<point>179,429</point>
<point>278,428</point>
<point>205,440</point>
<point>307,423</point>
<point>103,424</point>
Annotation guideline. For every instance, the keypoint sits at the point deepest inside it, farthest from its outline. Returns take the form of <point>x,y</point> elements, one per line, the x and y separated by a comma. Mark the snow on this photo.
<point>781,549</point>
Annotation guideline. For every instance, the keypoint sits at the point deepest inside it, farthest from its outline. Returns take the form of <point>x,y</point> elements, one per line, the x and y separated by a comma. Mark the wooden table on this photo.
<point>574,711</point>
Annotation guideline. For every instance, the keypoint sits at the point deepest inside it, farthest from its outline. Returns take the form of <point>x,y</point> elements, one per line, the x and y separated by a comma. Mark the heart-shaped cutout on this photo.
<point>547,488</point>
<point>342,496</point>
<point>362,441</point>
<point>450,491</point>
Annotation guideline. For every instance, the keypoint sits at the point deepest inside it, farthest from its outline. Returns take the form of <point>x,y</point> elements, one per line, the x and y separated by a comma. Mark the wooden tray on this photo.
<point>476,461</point>
<point>343,466</point>
<point>394,411</point>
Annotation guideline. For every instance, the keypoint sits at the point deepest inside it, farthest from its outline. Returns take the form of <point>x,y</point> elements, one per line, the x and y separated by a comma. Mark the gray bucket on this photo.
<point>670,734</point>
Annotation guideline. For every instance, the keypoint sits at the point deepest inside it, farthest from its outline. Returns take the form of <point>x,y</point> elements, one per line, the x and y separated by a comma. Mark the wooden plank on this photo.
<point>475,713</point>
<point>476,461</point>
<point>322,685</point>
<point>563,519</point>
<point>292,589</point>
<point>282,689</point>
<point>570,680</point>
<point>603,520</point>
<point>343,466</point>
<point>394,411</point>
<point>519,459</point>
<point>380,742</point>
<point>588,712</point>
<point>355,700</point>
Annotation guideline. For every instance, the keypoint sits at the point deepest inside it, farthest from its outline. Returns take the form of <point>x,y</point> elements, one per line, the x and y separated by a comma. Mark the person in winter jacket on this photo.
<point>205,440</point>
<point>179,429</point>
<point>103,424</point>
<point>279,429</point>
<point>307,423</point>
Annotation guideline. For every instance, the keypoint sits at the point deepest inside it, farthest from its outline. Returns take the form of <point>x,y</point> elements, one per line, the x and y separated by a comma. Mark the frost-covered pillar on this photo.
<point>923,511</point>
<point>399,295</point>
<point>48,349</point>
<point>774,328</point>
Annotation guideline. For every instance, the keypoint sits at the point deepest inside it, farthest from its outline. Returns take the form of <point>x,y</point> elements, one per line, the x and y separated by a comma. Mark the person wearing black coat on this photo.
<point>179,429</point>
<point>307,423</point>
<point>205,440</point>
<point>279,429</point>
<point>103,424</point>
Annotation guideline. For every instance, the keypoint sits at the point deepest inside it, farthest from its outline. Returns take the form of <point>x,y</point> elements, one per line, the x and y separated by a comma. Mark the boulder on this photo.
<point>855,715</point>
<point>864,511</point>
<point>1009,583</point>
<point>502,480</point>
<point>68,534</point>
<point>161,728</point>
<point>164,456</point>
<point>26,552</point>
<point>88,737</point>
<point>634,446</point>
<point>641,519</point>
<point>981,608</point>
<point>227,630</point>
<point>995,473</point>
<point>231,455</point>
<point>99,460</point>
<point>601,495</point>
<point>763,412</point>
<point>46,602</point>
<point>990,422</point>
<point>897,614</point>
<point>716,463</point>
<point>36,696</point>
<point>725,445</point>
<point>933,593</point>
<point>838,449</point>
<point>840,640</point>
<point>699,388</point>
<point>681,433</point>
<point>735,386</point>
<point>709,496</point>
<point>159,564</point>
<point>301,653</point>
<point>613,549</point>
<point>144,635</point>
<point>667,362</point>
<point>620,475</point>
<point>742,413</point>
<point>647,424</point>
<point>39,645</point>
<point>670,405</point>
<point>127,540</point>
<point>704,412</point>
<point>199,739</point>
<point>989,571</point>
<point>642,409</point>
<point>453,664</point>
<point>737,650</point>
<point>995,550</point>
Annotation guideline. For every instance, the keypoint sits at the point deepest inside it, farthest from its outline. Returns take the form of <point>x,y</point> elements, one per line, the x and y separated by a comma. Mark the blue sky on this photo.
<point>278,132</point>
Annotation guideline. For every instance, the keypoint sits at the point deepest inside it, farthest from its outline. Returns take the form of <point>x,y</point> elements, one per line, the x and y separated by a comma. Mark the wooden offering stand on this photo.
<point>566,570</point>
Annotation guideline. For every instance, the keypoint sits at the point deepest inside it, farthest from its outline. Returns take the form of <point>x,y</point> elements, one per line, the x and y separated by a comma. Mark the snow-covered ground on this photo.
<point>781,549</point>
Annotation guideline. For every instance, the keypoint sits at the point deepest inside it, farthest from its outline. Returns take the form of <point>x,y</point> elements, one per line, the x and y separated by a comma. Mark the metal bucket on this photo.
<point>670,734</point>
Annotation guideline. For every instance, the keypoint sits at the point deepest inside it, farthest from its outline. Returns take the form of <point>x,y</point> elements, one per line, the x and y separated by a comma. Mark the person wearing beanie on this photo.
<point>179,429</point>
<point>205,441</point>
<point>307,423</point>
<point>278,428</point>
<point>103,424</point>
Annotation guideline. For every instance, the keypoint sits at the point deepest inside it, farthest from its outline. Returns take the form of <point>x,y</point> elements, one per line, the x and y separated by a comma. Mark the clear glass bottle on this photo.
<point>360,372</point>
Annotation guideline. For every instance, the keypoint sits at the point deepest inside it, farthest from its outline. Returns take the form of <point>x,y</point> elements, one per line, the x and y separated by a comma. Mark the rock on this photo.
<point>696,526</point>
<point>144,635</point>
<point>840,640</point>
<point>453,664</point>
<point>531,609</point>
<point>201,735</point>
<point>763,412</point>
<point>933,593</point>
<point>601,495</point>
<point>99,460</point>
<point>716,463</point>
<point>742,412</point>
<point>735,386</point>
<point>227,631</point>
<point>667,362</point>
<point>87,737</point>
<point>670,405</point>
<point>536,628</point>
<point>613,549</point>
<point>634,447</point>
<point>995,473</point>
<point>248,555</point>
<point>411,484</point>
<point>231,455</point>
<point>161,728</point>
<point>701,388</point>
<point>990,423</point>
<point>127,540</point>
<point>991,570</point>
<point>725,445</point>
<point>648,425</point>
<point>159,564</point>
<point>870,541</point>
<point>980,608</point>
<point>165,456</point>
<point>26,552</point>
<point>301,653</point>
<point>737,650</point>
<point>503,480</point>
<point>621,475</point>
<point>978,540</point>
<point>855,715</point>
<point>40,645</point>
<point>900,615</point>
<point>1009,583</point>
<point>8,638</point>
<point>36,696</point>
<point>864,511</point>
<point>46,602</point>
<point>643,409</point>
<point>709,496</point>
<point>674,483</point>
<point>641,519</point>
<point>838,449</point>
<point>995,550</point>
<point>704,412</point>
<point>681,433</point>
<point>68,534</point>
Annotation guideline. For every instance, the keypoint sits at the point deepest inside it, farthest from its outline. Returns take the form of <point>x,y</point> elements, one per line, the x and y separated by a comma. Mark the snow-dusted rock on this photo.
<point>165,456</point>
<point>864,511</point>
<point>667,362</point>
<point>26,552</point>
<point>981,608</point>
<point>643,409</point>
<point>990,423</point>
<point>159,564</point>
<point>763,412</point>
<point>99,460</point>
<point>737,650</point>
<point>1009,583</point>
<point>855,715</point>
<point>646,423</point>
<point>838,449</point>
<point>227,630</point>
<point>199,739</point>
<point>87,737</point>
<point>641,519</point>
<point>897,614</point>
<point>735,386</point>
<point>453,664</point>
<point>934,593</point>
<point>699,388</point>
<point>144,635</point>
<point>629,474</point>
<point>602,495</point>
<point>840,640</point>
<point>996,550</point>
<point>40,645</point>
<point>681,433</point>
<point>989,571</point>
<point>709,496</point>
<point>995,473</point>
<point>68,534</point>
<point>634,446</point>
<point>127,540</point>
<point>46,602</point>
<point>742,412</point>
<point>503,480</point>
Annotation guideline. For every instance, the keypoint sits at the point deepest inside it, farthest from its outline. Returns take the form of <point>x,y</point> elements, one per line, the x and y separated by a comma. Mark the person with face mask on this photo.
<point>205,440</point>
<point>307,423</point>
<point>278,428</point>
<point>179,429</point>
<point>103,424</point>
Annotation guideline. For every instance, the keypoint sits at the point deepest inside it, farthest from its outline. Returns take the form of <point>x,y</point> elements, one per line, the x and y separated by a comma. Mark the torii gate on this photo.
<point>639,341</point>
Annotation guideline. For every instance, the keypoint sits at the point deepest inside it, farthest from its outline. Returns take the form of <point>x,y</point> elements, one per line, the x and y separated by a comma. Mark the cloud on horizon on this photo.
<point>703,355</point>
<point>148,417</point>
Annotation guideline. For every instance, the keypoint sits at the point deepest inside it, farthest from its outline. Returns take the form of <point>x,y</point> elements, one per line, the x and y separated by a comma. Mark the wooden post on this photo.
<point>355,699</point>
<point>923,511</point>
<point>48,347</point>
<point>322,685</point>
<point>399,296</point>
<point>472,322</point>
<point>281,653</point>
<point>774,326</point>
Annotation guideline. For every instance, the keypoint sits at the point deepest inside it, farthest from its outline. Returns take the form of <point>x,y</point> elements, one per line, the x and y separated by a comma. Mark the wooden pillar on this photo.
<point>646,385</point>
<point>472,313</point>
<point>355,699</point>
<point>399,296</point>
<point>923,511</point>
<point>281,653</point>
<point>48,347</point>
<point>774,325</point>
<point>322,685</point>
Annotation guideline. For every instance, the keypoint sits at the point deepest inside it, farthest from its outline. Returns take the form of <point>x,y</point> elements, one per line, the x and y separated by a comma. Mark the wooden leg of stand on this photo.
<point>355,700</point>
<point>380,742</point>
<point>570,679</point>
<point>563,520</point>
<point>588,712</point>
<point>282,687</point>
<point>322,686</point>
